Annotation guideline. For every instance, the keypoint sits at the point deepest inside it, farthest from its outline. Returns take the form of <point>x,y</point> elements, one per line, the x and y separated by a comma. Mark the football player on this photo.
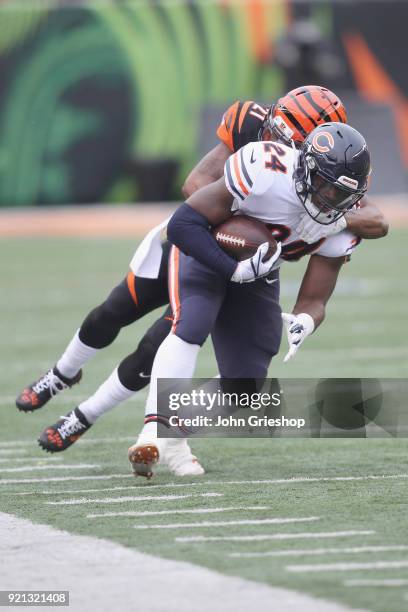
<point>211,293</point>
<point>145,287</point>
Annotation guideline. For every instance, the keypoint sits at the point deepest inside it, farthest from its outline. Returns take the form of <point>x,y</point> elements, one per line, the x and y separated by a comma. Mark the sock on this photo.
<point>74,357</point>
<point>174,359</point>
<point>110,394</point>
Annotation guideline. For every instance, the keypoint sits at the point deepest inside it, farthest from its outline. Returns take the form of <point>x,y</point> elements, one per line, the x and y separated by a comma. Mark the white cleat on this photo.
<point>180,460</point>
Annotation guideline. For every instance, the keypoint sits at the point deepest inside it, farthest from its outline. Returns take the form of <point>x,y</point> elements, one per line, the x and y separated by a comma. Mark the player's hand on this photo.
<point>250,269</point>
<point>310,231</point>
<point>298,327</point>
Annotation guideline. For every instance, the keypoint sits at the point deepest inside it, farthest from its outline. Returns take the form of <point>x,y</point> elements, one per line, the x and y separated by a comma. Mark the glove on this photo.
<point>298,327</point>
<point>250,269</point>
<point>310,231</point>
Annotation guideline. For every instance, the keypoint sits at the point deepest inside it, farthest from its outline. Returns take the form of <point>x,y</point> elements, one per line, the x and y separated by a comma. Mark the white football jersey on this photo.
<point>260,177</point>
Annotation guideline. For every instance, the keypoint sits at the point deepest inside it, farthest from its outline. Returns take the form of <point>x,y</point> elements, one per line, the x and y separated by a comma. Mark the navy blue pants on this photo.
<point>244,320</point>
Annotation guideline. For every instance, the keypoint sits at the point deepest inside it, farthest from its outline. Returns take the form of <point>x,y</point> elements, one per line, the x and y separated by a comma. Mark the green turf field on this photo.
<point>47,288</point>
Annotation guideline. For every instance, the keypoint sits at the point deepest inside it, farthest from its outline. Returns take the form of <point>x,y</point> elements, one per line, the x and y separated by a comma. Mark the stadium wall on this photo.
<point>103,101</point>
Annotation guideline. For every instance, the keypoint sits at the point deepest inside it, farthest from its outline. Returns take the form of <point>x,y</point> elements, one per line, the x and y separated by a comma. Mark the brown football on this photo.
<point>240,236</point>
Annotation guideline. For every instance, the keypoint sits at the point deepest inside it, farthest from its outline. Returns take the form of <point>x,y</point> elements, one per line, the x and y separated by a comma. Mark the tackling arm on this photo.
<point>209,169</point>
<point>367,221</point>
<point>317,286</point>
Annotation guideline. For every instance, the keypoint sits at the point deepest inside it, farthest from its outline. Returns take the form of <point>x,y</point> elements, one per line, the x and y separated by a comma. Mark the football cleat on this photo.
<point>144,455</point>
<point>45,388</point>
<point>180,460</point>
<point>65,432</point>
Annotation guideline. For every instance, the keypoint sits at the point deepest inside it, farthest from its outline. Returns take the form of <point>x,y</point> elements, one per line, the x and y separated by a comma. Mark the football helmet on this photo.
<point>301,110</point>
<point>332,173</point>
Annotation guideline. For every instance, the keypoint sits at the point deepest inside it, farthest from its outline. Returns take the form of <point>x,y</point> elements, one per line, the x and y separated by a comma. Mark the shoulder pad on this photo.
<point>226,127</point>
<point>242,169</point>
<point>241,124</point>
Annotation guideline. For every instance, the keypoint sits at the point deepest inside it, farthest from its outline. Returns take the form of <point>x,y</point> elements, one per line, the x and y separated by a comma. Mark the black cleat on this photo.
<point>65,432</point>
<point>42,390</point>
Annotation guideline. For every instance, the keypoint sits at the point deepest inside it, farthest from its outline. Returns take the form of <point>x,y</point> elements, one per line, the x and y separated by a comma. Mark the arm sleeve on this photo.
<point>189,230</point>
<point>339,245</point>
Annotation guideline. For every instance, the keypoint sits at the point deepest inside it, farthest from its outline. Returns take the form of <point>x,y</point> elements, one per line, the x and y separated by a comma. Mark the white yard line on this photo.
<point>73,466</point>
<point>170,512</point>
<point>136,487</point>
<point>214,483</point>
<point>32,442</point>
<point>275,536</point>
<point>345,567</point>
<point>319,551</point>
<point>91,477</point>
<point>209,482</point>
<point>43,459</point>
<point>119,500</point>
<point>307,479</point>
<point>376,583</point>
<point>271,521</point>
<point>103,575</point>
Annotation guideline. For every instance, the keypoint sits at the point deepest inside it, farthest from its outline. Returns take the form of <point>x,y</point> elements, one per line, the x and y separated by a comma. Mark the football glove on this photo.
<point>298,327</point>
<point>310,231</point>
<point>250,269</point>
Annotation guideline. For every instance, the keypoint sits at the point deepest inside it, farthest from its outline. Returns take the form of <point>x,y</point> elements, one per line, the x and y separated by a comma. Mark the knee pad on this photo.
<point>134,371</point>
<point>104,322</point>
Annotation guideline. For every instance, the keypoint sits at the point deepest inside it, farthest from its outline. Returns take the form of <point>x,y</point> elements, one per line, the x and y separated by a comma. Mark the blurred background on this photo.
<point>105,101</point>
<point>105,106</point>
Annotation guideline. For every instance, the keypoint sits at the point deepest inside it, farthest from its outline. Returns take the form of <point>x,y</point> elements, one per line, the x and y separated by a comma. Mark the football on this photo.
<point>240,236</point>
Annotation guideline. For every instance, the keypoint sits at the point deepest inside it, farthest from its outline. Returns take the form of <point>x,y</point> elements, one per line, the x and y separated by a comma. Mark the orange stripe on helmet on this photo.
<point>310,106</point>
<point>298,117</point>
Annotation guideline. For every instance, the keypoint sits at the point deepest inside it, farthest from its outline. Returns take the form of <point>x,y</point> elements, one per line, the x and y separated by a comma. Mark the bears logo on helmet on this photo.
<point>332,179</point>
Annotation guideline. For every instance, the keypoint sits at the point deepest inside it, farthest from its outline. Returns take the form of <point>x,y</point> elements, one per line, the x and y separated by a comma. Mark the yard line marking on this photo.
<point>26,459</point>
<point>387,583</point>
<point>166,512</point>
<point>135,487</point>
<point>13,451</point>
<point>14,443</point>
<point>272,521</point>
<point>65,491</point>
<point>345,567</point>
<point>182,583</point>
<point>31,442</point>
<point>73,466</point>
<point>319,551</point>
<point>62,478</point>
<point>232,482</point>
<point>307,479</point>
<point>118,500</point>
<point>274,536</point>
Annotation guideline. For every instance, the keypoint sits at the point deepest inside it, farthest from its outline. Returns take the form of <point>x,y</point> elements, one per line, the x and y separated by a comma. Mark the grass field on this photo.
<point>351,492</point>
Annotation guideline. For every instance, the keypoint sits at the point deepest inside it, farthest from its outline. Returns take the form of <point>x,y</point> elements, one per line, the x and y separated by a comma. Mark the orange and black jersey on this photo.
<point>241,123</point>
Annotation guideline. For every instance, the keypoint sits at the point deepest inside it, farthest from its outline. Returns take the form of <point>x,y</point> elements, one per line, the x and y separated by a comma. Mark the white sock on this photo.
<point>110,394</point>
<point>75,356</point>
<point>174,359</point>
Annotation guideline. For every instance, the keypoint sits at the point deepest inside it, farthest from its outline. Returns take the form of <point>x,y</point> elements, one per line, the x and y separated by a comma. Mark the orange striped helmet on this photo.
<point>297,113</point>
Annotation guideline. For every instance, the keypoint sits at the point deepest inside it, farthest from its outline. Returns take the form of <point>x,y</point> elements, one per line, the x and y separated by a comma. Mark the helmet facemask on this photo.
<point>324,199</point>
<point>276,128</point>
